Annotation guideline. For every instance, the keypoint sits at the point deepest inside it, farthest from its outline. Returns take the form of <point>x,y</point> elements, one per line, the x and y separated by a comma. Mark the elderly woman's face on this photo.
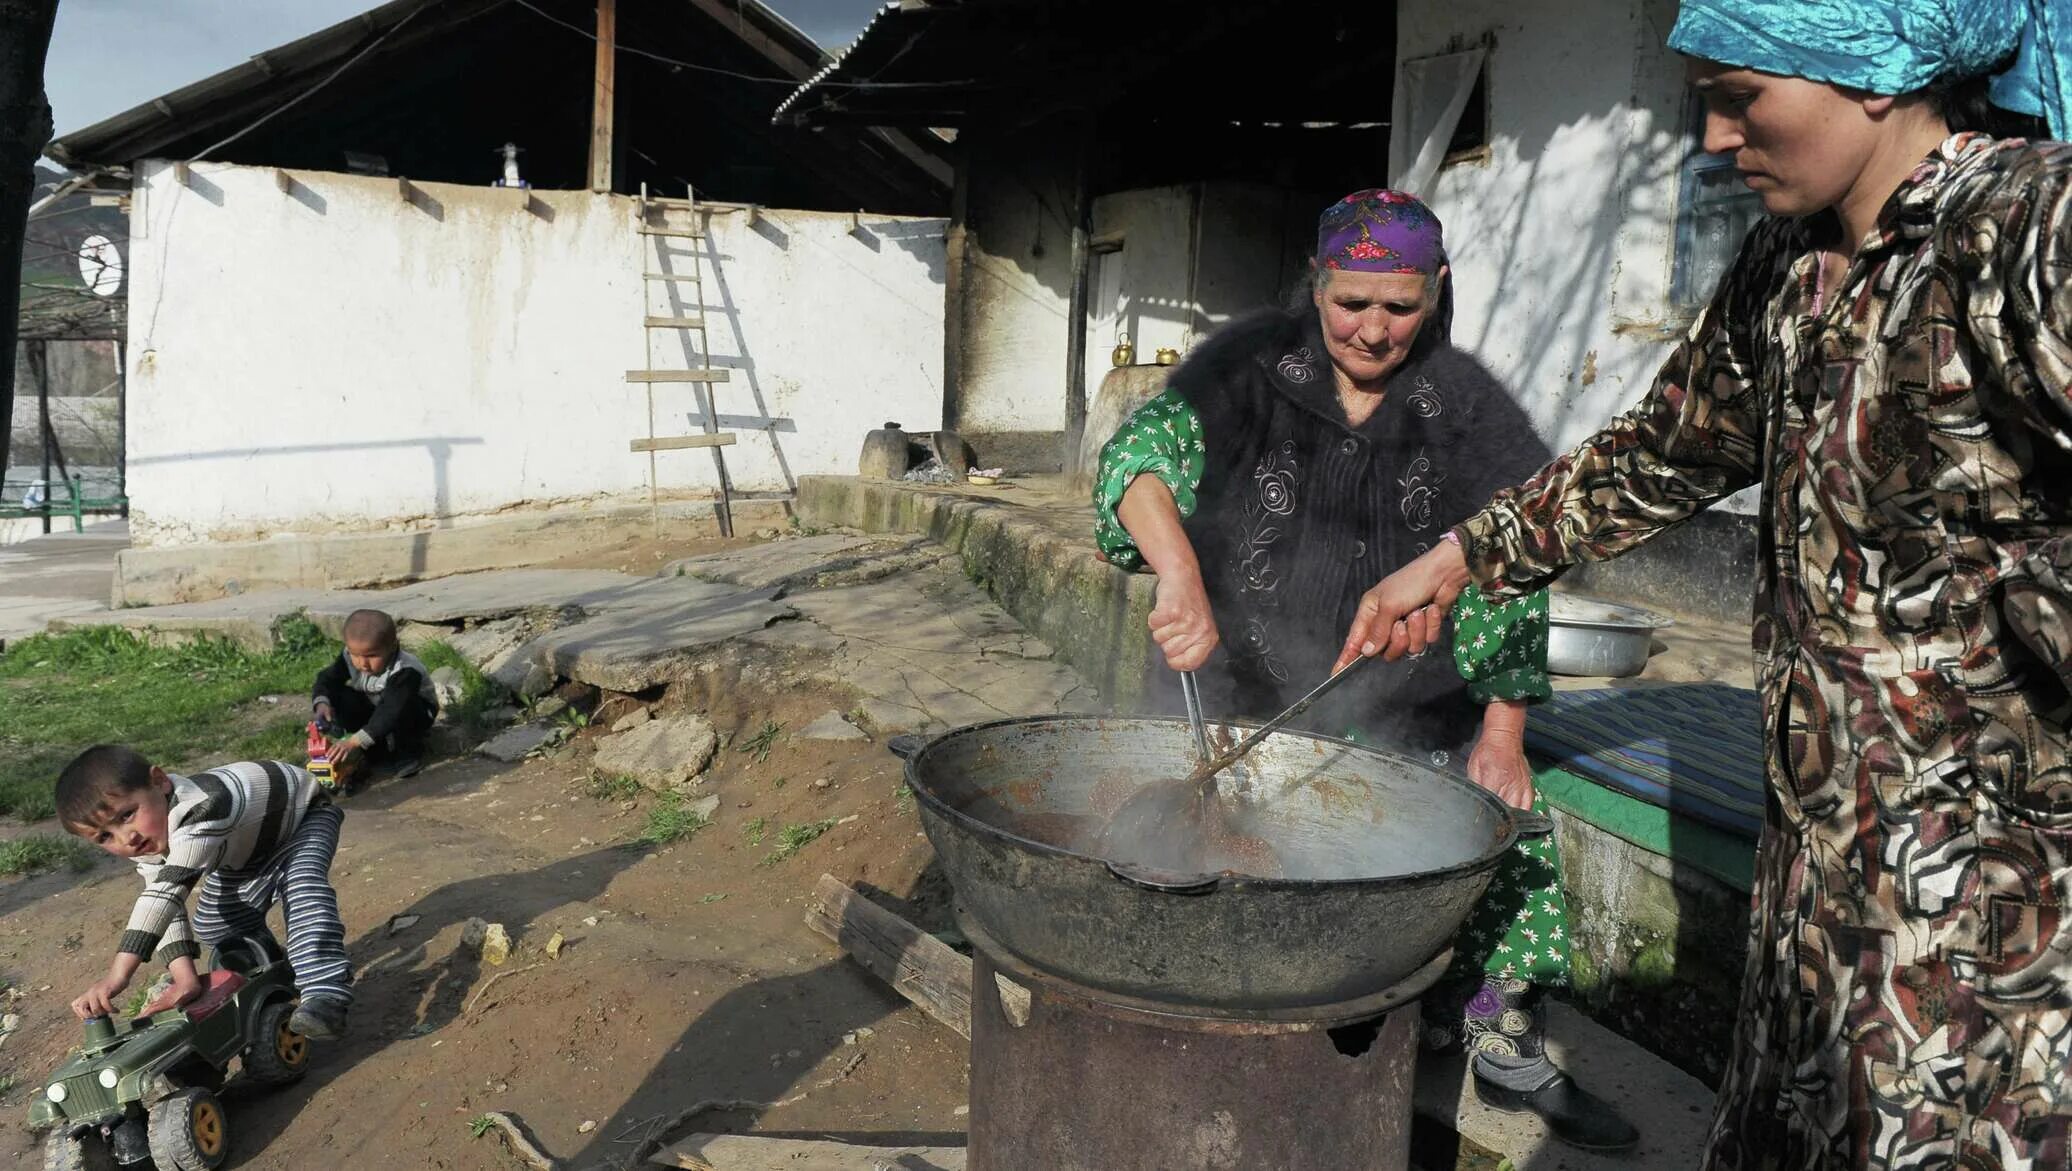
<point>1371,319</point>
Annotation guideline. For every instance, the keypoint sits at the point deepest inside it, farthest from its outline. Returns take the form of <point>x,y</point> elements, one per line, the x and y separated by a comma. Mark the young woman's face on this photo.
<point>1371,319</point>
<point>1800,145</point>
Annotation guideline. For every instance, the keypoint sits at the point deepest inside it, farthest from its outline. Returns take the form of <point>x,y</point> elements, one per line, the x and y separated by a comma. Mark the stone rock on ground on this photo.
<point>447,685</point>
<point>661,753</point>
<point>515,744</point>
<point>832,727</point>
<point>632,720</point>
<point>489,645</point>
<point>523,677</point>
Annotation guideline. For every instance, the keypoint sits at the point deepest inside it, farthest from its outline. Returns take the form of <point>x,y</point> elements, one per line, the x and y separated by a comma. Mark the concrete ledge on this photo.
<point>1031,551</point>
<point>161,575</point>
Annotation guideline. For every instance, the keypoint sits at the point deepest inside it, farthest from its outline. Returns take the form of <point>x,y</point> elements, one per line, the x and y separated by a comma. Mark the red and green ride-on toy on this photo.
<point>142,1093</point>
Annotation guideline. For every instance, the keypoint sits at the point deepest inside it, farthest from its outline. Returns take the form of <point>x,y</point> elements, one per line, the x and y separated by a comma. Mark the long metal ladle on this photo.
<point>1166,823</point>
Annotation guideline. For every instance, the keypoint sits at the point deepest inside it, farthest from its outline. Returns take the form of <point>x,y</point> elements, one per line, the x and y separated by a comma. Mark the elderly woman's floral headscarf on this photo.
<point>1380,231</point>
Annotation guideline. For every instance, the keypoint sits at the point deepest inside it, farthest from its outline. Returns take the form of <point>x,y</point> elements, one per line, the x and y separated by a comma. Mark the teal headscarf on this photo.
<point>1894,46</point>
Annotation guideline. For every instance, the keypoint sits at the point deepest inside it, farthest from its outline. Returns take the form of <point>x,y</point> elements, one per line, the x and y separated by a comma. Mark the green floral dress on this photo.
<point>1519,932</point>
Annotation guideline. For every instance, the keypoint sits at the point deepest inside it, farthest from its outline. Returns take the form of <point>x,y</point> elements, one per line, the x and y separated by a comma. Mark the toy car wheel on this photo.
<point>61,1152</point>
<point>278,1054</point>
<point>189,1132</point>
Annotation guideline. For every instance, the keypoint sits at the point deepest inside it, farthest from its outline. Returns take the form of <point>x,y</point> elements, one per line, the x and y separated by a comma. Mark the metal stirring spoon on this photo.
<point>1190,694</point>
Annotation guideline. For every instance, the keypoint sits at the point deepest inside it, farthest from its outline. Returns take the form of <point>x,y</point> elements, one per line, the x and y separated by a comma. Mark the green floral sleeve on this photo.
<point>1500,648</point>
<point>1164,439</point>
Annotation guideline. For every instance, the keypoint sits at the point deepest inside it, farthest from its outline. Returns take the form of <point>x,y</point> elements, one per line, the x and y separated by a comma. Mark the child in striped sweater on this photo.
<point>248,834</point>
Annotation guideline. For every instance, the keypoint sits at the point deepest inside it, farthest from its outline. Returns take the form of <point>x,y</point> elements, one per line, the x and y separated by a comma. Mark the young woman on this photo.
<point>1890,359</point>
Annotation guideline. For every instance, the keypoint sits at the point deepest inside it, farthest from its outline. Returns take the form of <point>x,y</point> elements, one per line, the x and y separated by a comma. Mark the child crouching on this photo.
<point>379,693</point>
<point>249,834</point>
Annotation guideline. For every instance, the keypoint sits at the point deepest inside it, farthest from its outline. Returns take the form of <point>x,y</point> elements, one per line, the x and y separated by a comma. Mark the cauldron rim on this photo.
<point>1502,843</point>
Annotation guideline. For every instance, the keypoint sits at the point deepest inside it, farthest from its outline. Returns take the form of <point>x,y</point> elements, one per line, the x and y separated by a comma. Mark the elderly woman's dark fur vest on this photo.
<point>1299,513</point>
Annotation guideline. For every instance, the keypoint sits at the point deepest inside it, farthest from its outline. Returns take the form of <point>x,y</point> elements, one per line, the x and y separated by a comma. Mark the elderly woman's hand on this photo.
<point>1407,612</point>
<point>1181,622</point>
<point>1497,762</point>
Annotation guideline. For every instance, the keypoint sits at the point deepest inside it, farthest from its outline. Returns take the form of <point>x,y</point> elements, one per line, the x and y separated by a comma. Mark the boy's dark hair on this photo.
<point>101,772</point>
<point>372,626</point>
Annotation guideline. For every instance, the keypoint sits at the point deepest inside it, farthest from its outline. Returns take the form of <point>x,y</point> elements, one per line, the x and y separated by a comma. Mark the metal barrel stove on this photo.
<point>1211,1021</point>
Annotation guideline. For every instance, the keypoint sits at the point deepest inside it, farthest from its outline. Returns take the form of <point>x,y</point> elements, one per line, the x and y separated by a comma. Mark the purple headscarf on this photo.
<point>1380,231</point>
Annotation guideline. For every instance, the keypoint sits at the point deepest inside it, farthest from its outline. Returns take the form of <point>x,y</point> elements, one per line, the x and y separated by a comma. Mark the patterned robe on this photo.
<point>1909,991</point>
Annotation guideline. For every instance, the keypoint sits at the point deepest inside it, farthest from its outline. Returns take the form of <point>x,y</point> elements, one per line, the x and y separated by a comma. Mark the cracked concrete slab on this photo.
<point>927,650</point>
<point>816,562</point>
<point>638,644</point>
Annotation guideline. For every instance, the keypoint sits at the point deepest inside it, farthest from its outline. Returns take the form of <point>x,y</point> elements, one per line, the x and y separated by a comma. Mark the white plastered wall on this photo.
<point>337,357</point>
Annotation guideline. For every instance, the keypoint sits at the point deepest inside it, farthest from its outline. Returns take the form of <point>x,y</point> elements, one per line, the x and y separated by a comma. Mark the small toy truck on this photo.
<point>143,1092</point>
<point>334,778</point>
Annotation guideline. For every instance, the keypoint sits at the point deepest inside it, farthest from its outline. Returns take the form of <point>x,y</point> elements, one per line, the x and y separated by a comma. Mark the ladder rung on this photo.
<point>680,233</point>
<point>677,376</point>
<point>680,442</point>
<point>763,496</point>
<point>675,322</point>
<point>670,276</point>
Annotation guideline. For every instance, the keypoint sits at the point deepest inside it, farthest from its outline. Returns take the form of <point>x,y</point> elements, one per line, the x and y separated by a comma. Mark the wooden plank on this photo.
<point>692,322</point>
<point>677,376</point>
<point>602,94</point>
<point>682,442</point>
<point>679,233</point>
<point>917,965</point>
<point>754,1152</point>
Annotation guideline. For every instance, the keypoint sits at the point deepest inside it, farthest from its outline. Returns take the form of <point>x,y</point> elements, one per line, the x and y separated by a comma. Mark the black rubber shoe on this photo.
<point>320,1018</point>
<point>1575,1115</point>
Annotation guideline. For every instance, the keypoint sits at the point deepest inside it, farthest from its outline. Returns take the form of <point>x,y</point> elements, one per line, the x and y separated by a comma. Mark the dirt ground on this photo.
<point>688,973</point>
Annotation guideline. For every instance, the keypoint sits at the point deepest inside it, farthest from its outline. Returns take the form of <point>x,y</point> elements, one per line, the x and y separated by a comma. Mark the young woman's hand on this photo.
<point>1181,622</point>
<point>1407,612</point>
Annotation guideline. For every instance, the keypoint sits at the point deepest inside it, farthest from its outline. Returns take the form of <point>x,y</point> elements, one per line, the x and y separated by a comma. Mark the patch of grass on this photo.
<point>617,787</point>
<point>714,897</point>
<point>481,1125</point>
<point>175,704</point>
<point>793,838</point>
<point>903,798</point>
<point>286,739</point>
<point>759,745</point>
<point>7,1084</point>
<point>478,692</point>
<point>45,852</point>
<point>137,1001</point>
<point>754,830</point>
<point>671,820</point>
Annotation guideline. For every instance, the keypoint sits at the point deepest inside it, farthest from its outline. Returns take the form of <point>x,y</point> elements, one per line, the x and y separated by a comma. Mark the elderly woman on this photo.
<point>1293,456</point>
<point>1890,359</point>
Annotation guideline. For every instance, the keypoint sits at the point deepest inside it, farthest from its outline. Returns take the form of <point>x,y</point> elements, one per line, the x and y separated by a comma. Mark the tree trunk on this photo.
<point>24,131</point>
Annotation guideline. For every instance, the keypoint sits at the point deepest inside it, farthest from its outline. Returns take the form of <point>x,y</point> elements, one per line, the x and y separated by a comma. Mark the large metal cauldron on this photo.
<point>1382,859</point>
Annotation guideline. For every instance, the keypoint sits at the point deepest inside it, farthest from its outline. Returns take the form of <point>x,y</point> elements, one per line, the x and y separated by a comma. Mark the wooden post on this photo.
<point>1082,211</point>
<point>607,89</point>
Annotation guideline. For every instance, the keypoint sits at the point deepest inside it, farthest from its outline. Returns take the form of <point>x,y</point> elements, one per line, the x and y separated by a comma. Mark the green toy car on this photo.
<point>143,1092</point>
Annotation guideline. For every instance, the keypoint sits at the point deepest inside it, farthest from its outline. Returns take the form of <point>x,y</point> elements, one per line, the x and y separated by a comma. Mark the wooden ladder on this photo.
<point>685,320</point>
